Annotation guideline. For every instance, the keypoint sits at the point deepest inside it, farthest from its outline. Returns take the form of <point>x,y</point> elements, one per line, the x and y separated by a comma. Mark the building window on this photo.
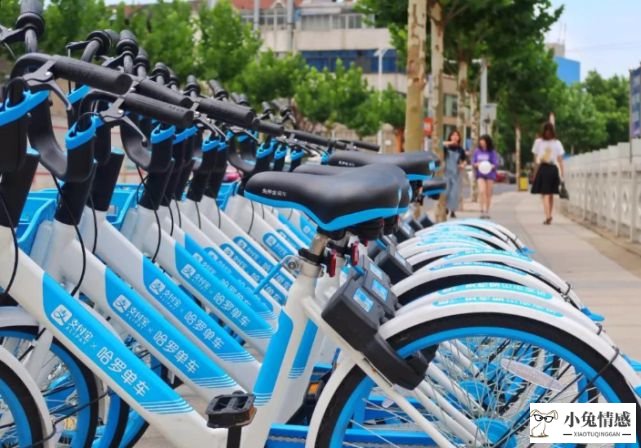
<point>450,105</point>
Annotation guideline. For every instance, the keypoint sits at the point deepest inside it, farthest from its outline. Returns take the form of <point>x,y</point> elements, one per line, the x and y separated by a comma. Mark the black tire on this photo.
<point>27,402</point>
<point>492,320</point>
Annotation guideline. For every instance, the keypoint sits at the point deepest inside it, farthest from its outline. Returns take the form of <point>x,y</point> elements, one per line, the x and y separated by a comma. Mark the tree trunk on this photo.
<point>437,31</point>
<point>461,91</point>
<point>475,118</point>
<point>461,82</point>
<point>417,22</point>
<point>398,134</point>
<point>517,144</point>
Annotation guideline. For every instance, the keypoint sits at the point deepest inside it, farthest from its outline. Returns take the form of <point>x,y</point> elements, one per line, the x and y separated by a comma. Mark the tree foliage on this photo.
<point>71,20</point>
<point>611,99</point>
<point>579,123</point>
<point>268,77</point>
<point>227,44</point>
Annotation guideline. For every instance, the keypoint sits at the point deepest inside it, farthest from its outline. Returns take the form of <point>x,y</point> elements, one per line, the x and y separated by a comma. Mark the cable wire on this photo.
<point>78,234</point>
<point>16,251</point>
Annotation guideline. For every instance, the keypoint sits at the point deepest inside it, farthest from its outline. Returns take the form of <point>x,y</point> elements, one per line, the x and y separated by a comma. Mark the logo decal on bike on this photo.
<point>122,304</point>
<point>61,315</point>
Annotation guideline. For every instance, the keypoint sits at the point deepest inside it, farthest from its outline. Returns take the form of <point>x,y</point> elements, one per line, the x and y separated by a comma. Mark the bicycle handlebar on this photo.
<point>228,112</point>
<point>309,138</point>
<point>361,145</point>
<point>76,71</point>
<point>165,112</point>
<point>269,128</point>
<point>31,16</point>
<point>152,89</point>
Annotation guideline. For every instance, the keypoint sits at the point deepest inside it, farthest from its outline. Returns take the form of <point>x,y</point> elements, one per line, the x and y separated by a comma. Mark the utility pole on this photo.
<point>256,14</point>
<point>290,26</point>
<point>484,123</point>
<point>417,34</point>
<point>380,53</point>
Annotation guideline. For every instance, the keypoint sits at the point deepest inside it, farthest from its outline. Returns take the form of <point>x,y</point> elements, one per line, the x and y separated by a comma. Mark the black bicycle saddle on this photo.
<point>415,164</point>
<point>385,170</point>
<point>334,202</point>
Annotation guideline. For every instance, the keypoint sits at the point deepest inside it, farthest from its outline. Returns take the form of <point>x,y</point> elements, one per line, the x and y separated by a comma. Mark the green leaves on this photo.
<point>580,125</point>
<point>226,45</point>
<point>342,96</point>
<point>166,32</point>
<point>269,76</point>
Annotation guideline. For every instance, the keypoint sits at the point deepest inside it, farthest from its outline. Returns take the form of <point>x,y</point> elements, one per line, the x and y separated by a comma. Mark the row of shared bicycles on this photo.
<point>298,303</point>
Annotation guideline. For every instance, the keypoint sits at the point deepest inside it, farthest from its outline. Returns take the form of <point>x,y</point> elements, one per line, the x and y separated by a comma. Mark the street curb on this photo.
<point>623,243</point>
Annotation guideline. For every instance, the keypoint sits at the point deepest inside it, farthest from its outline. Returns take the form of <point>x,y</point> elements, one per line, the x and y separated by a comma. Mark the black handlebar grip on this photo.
<point>127,42</point>
<point>113,36</point>
<point>152,89</point>
<point>309,138</point>
<point>228,112</point>
<point>92,75</point>
<point>164,112</point>
<point>160,69</point>
<point>269,128</point>
<point>142,59</point>
<point>364,145</point>
<point>217,88</point>
<point>339,145</point>
<point>76,71</point>
<point>173,77</point>
<point>31,16</point>
<point>192,85</point>
<point>104,39</point>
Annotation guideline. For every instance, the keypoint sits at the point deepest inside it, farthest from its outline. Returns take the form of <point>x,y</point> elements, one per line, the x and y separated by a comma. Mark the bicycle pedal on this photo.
<point>231,411</point>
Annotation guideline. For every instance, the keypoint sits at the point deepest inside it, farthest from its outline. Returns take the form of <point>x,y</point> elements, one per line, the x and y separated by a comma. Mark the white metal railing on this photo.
<point>605,188</point>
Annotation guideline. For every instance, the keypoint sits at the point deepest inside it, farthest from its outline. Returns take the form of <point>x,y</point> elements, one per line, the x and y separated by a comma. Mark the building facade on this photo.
<point>325,31</point>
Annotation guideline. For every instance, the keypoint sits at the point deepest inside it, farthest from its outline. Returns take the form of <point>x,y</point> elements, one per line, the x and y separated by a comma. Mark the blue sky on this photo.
<point>602,34</point>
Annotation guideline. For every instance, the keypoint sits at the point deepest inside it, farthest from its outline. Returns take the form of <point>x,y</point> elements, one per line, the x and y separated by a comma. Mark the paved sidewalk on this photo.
<point>606,276</point>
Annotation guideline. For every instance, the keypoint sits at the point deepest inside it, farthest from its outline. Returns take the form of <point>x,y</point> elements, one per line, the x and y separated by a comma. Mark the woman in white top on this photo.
<point>548,154</point>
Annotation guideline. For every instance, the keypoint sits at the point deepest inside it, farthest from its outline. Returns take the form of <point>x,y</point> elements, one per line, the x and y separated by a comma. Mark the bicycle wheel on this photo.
<point>358,415</point>
<point>70,390</point>
<point>20,419</point>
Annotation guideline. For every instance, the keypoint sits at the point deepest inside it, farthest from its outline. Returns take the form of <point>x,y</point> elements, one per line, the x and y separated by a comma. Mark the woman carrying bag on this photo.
<point>548,154</point>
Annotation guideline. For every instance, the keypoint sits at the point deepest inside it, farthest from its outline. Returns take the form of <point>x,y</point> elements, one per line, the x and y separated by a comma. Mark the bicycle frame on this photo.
<point>141,229</point>
<point>102,351</point>
<point>228,256</point>
<point>244,243</point>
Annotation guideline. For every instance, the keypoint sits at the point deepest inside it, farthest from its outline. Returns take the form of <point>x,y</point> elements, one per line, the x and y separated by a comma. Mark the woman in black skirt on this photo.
<point>548,154</point>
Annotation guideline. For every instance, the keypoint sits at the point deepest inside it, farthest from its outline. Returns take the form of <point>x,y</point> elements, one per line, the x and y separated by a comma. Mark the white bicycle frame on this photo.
<point>245,242</point>
<point>252,273</point>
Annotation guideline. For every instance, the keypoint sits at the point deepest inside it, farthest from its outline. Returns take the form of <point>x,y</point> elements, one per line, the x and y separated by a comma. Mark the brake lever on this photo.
<point>238,131</point>
<point>114,115</point>
<point>114,61</point>
<point>43,79</point>
<point>209,125</point>
<point>11,36</point>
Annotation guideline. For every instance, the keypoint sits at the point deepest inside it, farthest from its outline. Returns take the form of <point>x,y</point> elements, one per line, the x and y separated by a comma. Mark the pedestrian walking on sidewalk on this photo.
<point>485,161</point>
<point>548,155</point>
<point>454,155</point>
